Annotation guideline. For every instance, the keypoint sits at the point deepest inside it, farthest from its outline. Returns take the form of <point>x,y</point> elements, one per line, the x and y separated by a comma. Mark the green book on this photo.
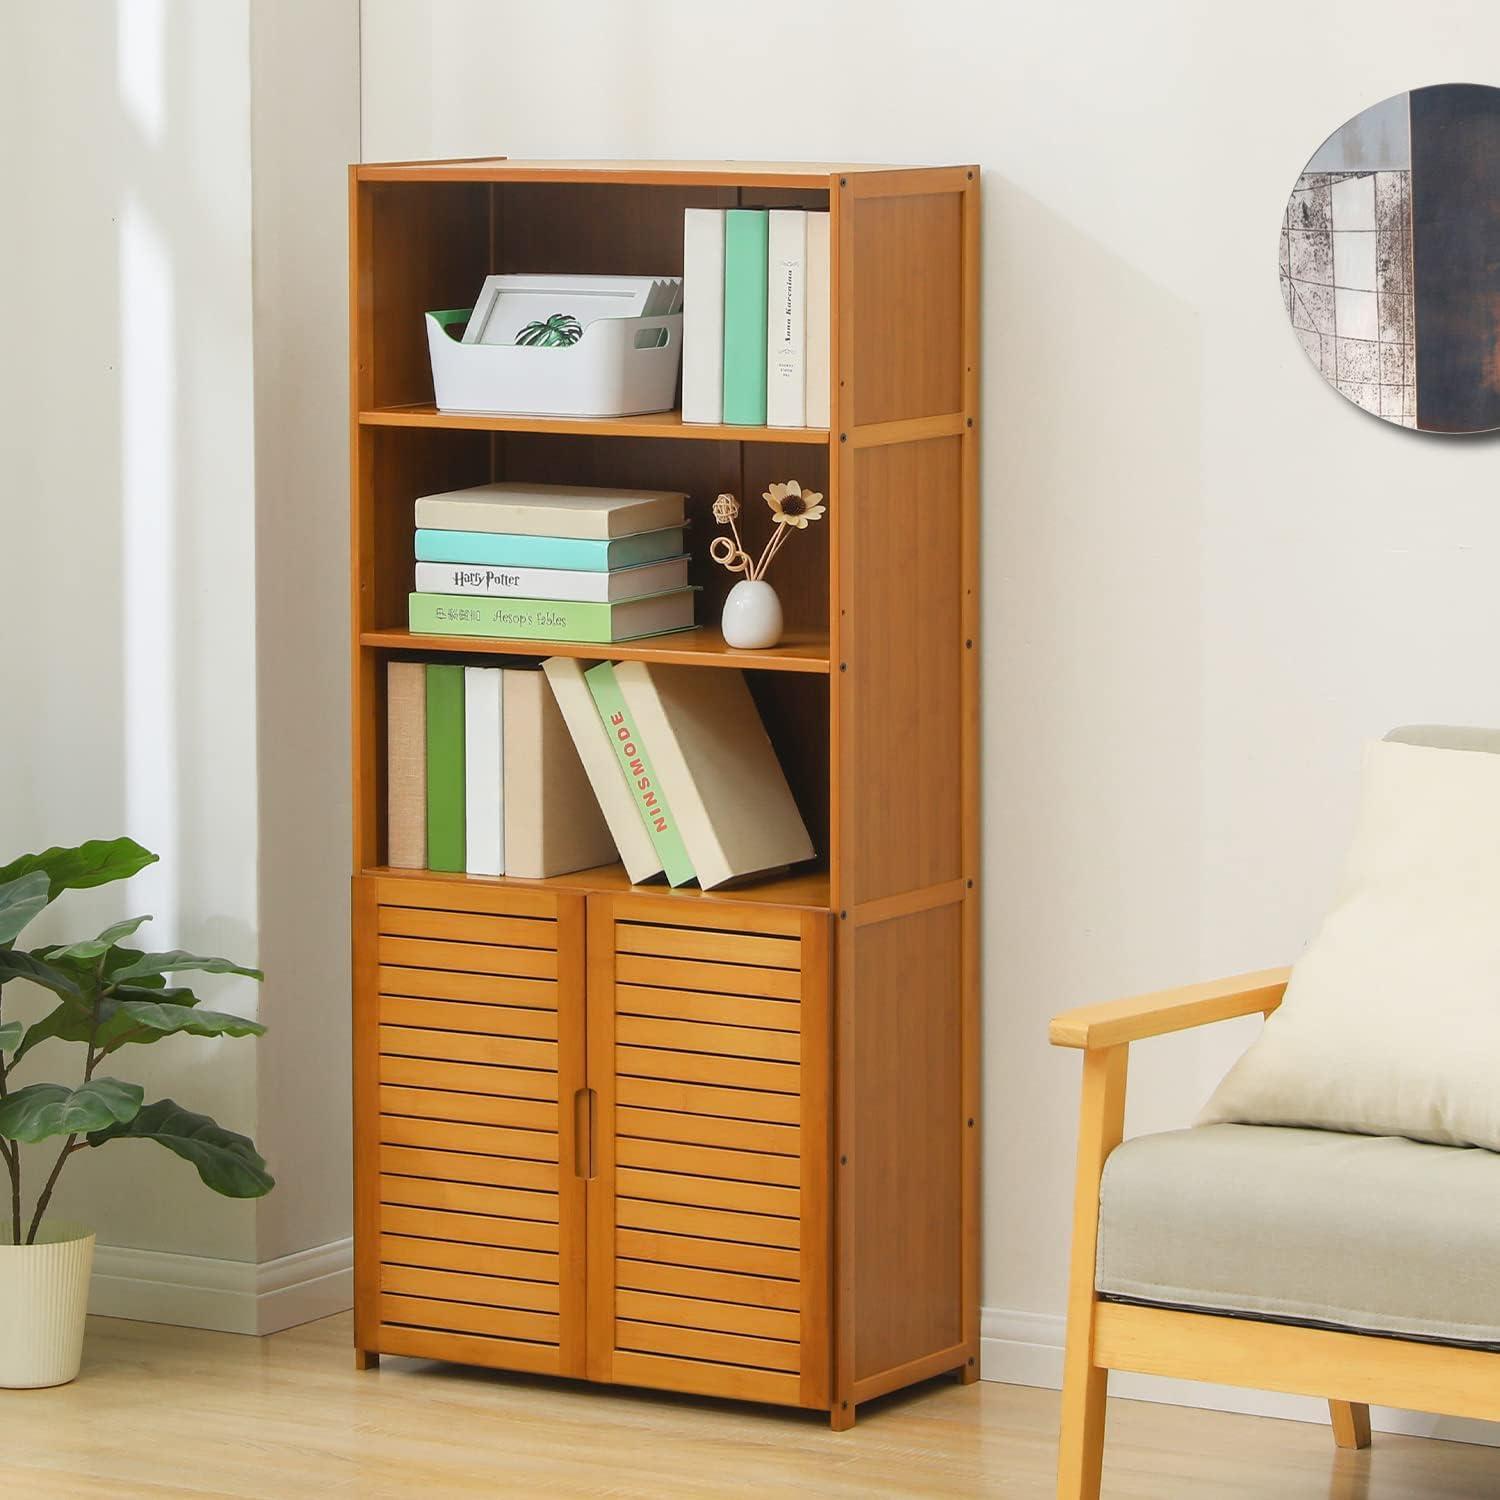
<point>445,768</point>
<point>746,234</point>
<point>645,790</point>
<point>550,619</point>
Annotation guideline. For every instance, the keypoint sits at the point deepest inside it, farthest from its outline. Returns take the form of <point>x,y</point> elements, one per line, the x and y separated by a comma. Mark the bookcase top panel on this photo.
<point>704,173</point>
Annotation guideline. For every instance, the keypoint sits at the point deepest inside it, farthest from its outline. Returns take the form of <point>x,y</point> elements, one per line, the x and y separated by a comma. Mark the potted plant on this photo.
<point>108,997</point>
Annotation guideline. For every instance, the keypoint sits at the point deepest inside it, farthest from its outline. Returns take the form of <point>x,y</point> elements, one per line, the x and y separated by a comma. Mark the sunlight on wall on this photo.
<point>141,65</point>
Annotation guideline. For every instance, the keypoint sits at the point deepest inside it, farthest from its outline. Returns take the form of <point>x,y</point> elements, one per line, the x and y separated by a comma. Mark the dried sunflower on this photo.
<point>791,506</point>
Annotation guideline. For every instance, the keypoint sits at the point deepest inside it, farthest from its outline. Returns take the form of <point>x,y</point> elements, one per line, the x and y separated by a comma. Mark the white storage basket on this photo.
<point>620,367</point>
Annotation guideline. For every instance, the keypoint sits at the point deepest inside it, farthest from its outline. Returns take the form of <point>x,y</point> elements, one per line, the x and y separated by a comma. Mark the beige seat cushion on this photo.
<point>1373,1233</point>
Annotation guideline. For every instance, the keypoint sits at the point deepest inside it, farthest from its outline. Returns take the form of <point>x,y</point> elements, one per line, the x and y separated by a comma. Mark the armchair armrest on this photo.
<point>1118,1021</point>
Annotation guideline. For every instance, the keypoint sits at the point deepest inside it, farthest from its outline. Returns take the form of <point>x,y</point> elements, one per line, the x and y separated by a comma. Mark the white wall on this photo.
<point>129,529</point>
<point>1208,577</point>
<point>173,532</point>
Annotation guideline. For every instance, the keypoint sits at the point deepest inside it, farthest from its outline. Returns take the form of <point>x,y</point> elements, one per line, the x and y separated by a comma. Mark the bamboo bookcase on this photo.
<point>726,1142</point>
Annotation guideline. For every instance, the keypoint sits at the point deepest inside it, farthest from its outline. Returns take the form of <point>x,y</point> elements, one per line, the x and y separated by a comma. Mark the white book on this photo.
<point>602,766</point>
<point>484,772</point>
<point>703,315</point>
<point>566,510</point>
<point>571,584</point>
<point>786,318</point>
<point>819,322</point>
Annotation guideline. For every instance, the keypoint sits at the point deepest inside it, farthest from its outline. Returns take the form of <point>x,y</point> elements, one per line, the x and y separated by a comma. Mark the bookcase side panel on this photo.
<point>900,684</point>
<point>904,1237</point>
<point>907,306</point>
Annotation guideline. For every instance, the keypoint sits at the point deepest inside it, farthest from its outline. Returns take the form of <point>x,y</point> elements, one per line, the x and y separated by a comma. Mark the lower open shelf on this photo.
<point>803,888</point>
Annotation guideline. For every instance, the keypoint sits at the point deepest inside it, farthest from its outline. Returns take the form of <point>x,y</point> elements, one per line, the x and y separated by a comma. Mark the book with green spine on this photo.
<point>500,549</point>
<point>746,242</point>
<point>550,619</point>
<point>445,768</point>
<point>646,791</point>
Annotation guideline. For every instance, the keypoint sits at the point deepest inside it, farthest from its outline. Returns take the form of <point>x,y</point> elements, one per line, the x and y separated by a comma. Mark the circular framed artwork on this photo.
<point>1390,259</point>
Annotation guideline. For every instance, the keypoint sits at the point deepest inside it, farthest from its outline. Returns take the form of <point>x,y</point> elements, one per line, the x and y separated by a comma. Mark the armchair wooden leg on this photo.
<point>1101,1123</point>
<point>1351,1423</point>
<point>1080,1449</point>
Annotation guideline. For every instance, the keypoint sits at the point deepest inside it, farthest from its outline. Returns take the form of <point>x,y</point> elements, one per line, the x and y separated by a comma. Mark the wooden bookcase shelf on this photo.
<point>721,1142</point>
<point>662,424</point>
<point>799,652</point>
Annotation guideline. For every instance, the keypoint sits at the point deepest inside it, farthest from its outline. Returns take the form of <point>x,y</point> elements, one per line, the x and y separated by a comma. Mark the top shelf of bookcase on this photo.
<point>661,424</point>
<point>772,174</point>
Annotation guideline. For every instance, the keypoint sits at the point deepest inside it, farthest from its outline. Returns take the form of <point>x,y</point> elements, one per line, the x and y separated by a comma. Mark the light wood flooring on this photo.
<point>175,1412</point>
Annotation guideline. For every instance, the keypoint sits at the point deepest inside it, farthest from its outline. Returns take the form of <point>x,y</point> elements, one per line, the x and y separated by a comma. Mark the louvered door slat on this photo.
<point>708,1213</point>
<point>469,1039</point>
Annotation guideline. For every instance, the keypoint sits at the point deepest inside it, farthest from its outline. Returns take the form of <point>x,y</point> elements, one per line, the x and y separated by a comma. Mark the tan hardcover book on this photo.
<point>718,768</point>
<point>597,754</point>
<point>552,821</point>
<point>406,765</point>
<point>565,510</point>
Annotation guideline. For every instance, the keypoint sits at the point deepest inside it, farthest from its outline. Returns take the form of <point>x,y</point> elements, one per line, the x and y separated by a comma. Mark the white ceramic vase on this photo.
<point>752,616</point>
<point>44,1296</point>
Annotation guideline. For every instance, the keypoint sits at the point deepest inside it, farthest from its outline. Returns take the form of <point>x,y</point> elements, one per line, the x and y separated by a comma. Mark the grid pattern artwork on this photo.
<point>1346,282</point>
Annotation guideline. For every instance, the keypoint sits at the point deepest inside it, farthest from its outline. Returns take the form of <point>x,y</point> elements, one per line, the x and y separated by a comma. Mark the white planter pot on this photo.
<point>752,616</point>
<point>44,1296</point>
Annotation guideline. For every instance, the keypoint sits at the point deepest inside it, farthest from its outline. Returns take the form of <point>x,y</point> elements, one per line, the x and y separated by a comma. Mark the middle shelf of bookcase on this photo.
<point>797,652</point>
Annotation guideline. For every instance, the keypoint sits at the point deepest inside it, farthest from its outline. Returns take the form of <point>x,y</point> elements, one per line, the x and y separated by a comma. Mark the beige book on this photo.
<point>406,765</point>
<point>565,510</point>
<point>552,821</point>
<point>718,768</point>
<point>602,765</point>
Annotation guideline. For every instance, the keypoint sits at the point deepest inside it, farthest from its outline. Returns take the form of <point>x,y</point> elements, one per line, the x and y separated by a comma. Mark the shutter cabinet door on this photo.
<point>708,1204</point>
<point>469,1031</point>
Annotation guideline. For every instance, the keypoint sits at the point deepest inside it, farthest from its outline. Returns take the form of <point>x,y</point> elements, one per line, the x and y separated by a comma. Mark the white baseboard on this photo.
<point>1022,1348</point>
<point>228,1296</point>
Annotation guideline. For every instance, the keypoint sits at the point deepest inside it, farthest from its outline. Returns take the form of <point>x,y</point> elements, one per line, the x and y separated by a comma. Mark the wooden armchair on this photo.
<point>1350,1369</point>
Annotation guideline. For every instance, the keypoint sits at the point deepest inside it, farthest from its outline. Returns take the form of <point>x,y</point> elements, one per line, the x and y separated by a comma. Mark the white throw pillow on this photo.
<point>1391,1022</point>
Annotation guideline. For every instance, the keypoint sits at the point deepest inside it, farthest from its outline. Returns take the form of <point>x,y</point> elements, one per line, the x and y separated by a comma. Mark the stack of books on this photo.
<point>551,562</point>
<point>515,771</point>
<point>755,317</point>
<point>482,777</point>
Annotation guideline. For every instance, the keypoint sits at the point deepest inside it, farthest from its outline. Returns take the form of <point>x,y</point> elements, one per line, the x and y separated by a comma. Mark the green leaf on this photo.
<point>144,1021</point>
<point>10,1036</point>
<point>47,1109</point>
<point>151,964</point>
<point>17,965</point>
<point>228,1163</point>
<point>20,901</point>
<point>95,863</point>
<point>92,948</point>
<point>70,1022</point>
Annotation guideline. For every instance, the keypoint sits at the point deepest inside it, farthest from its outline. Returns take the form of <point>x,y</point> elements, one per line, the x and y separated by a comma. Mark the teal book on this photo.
<point>445,768</point>
<point>585,554</point>
<point>550,619</point>
<point>746,237</point>
<point>640,776</point>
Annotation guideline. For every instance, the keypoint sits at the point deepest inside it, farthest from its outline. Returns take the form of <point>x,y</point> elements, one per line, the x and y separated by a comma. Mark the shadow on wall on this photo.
<point>133,427</point>
<point>1093,670</point>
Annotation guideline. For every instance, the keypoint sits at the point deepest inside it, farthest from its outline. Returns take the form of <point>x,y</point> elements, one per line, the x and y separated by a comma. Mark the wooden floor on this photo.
<point>174,1412</point>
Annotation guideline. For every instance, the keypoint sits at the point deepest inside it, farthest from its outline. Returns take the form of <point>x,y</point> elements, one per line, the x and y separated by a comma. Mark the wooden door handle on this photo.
<point>583,1132</point>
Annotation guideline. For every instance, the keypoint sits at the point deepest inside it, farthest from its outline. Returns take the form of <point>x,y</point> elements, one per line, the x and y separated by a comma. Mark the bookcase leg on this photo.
<point>366,1359</point>
<point>841,1416</point>
<point>968,1372</point>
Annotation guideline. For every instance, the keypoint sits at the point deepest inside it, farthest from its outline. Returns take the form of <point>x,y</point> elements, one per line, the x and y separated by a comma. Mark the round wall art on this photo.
<point>1390,259</point>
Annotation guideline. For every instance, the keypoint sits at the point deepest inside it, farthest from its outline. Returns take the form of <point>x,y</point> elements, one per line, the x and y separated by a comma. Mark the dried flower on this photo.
<point>726,509</point>
<point>790,506</point>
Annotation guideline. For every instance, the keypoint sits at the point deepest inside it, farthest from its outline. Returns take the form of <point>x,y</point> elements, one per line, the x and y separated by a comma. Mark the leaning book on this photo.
<point>550,619</point>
